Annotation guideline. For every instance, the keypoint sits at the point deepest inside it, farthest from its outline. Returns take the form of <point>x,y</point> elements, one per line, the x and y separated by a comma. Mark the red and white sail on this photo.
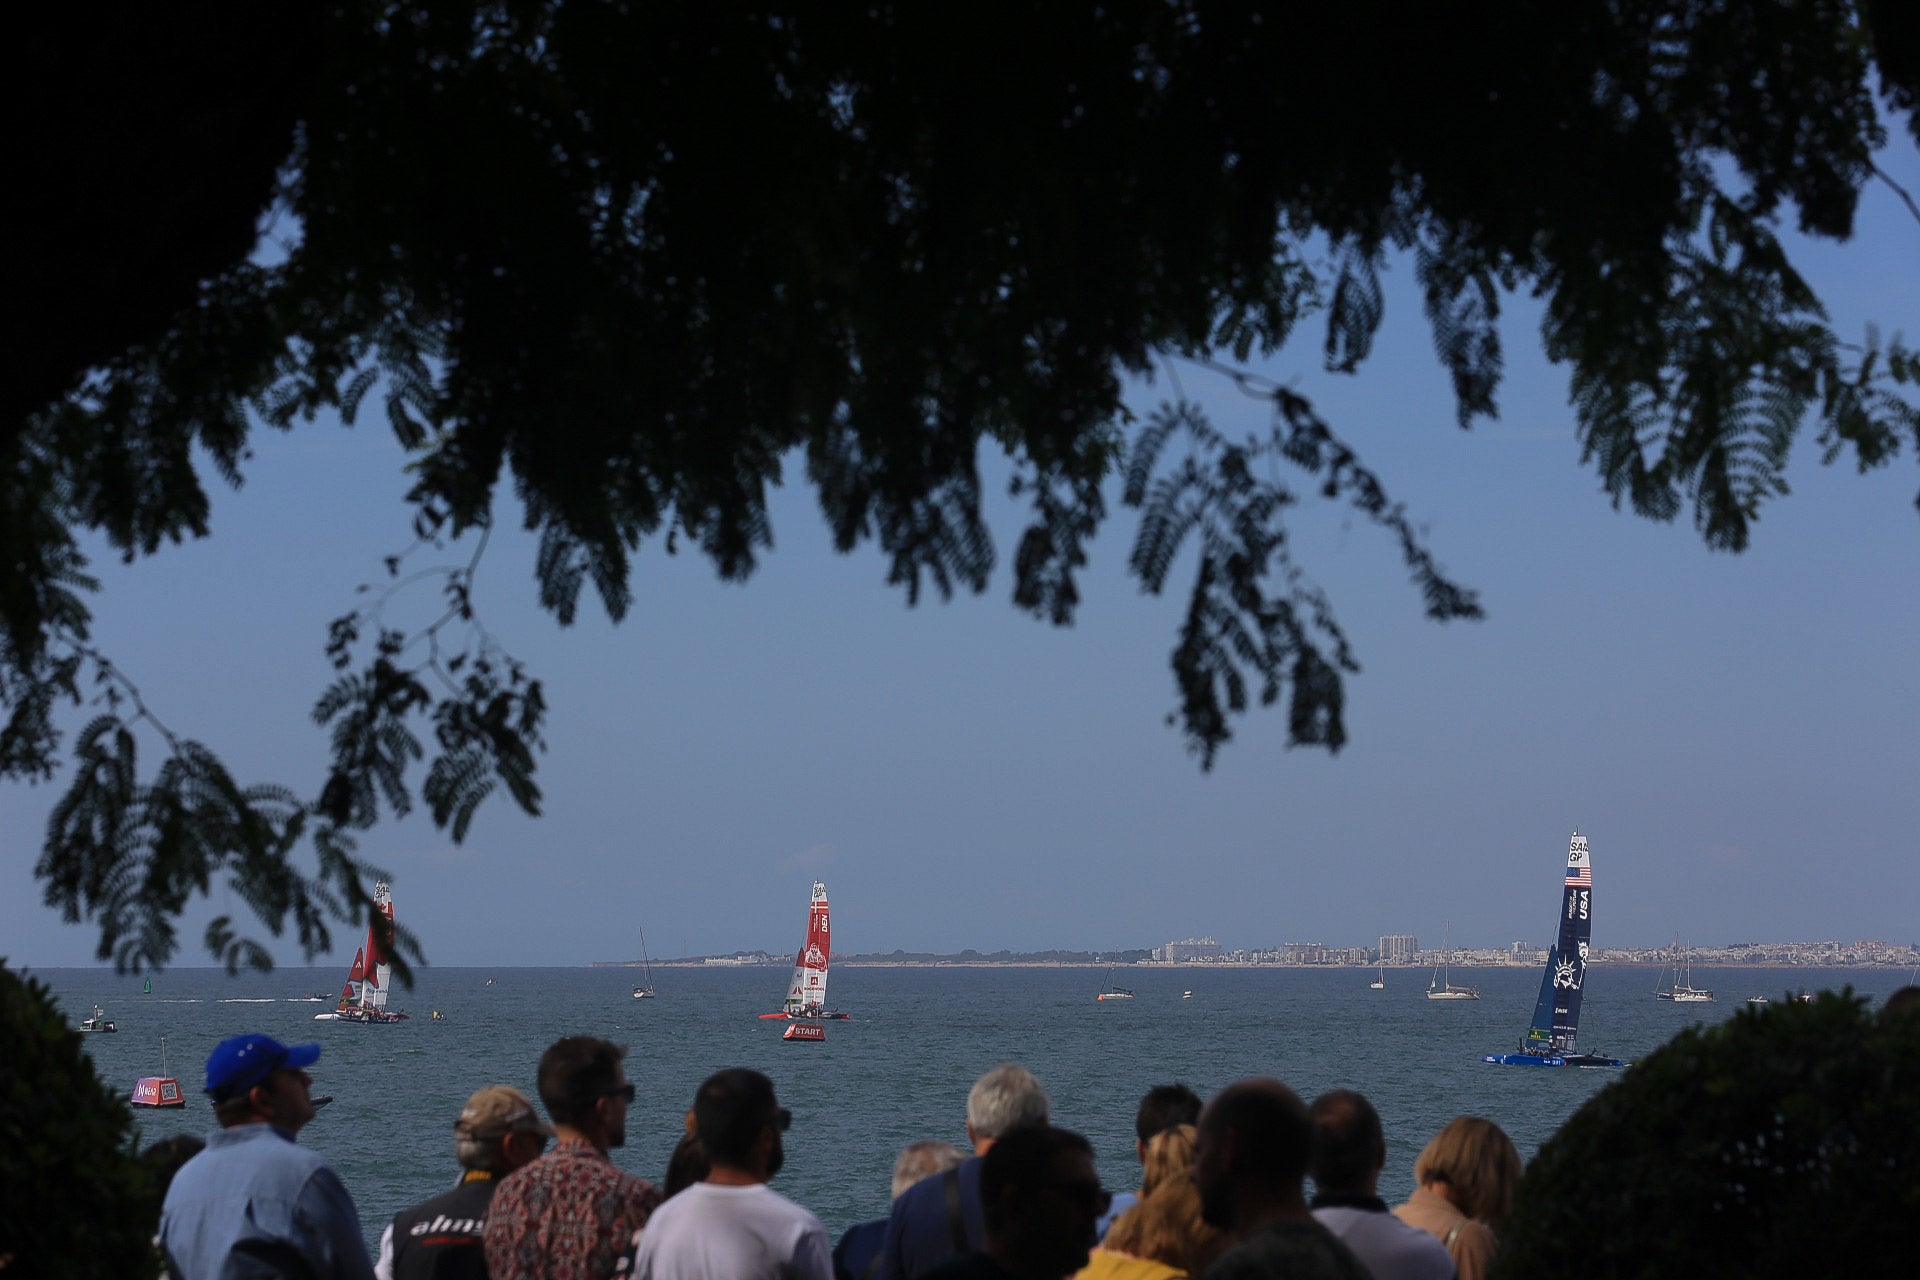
<point>373,993</point>
<point>807,993</point>
<point>363,998</point>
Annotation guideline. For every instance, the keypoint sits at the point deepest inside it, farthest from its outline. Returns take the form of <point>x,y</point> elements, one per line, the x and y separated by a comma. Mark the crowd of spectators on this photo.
<point>1222,1189</point>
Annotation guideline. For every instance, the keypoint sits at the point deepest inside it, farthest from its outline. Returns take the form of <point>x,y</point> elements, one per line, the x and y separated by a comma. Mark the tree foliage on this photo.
<point>74,1197</point>
<point>1765,1146</point>
<point>638,262</point>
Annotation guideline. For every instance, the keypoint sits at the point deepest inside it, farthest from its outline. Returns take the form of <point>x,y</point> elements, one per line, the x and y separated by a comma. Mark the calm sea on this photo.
<point>899,1071</point>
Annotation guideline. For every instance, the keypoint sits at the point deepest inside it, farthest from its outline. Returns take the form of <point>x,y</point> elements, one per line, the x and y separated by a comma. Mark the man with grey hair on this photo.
<point>941,1217</point>
<point>857,1256</point>
<point>444,1238</point>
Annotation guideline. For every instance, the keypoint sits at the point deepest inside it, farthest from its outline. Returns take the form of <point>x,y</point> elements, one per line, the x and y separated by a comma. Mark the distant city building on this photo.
<point>1189,949</point>
<point>1303,953</point>
<point>1399,948</point>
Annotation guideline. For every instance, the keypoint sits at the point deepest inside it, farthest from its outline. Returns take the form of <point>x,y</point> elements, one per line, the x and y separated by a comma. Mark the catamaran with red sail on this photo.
<point>364,997</point>
<point>807,992</point>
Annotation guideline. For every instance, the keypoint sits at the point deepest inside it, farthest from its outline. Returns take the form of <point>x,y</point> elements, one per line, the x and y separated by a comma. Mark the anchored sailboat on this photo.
<point>1680,988</point>
<point>645,990</point>
<point>1438,986</point>
<point>363,998</point>
<point>807,992</point>
<point>1112,992</point>
<point>1549,1041</point>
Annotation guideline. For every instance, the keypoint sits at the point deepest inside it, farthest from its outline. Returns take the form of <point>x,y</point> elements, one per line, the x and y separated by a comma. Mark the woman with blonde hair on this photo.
<point>1467,1176</point>
<point>1162,1236</point>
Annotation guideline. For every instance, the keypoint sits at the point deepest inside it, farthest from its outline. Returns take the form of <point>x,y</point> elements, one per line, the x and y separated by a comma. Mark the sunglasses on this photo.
<point>624,1093</point>
<point>782,1119</point>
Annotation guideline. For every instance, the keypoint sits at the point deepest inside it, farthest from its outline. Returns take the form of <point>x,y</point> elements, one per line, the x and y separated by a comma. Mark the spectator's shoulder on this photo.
<point>640,1193</point>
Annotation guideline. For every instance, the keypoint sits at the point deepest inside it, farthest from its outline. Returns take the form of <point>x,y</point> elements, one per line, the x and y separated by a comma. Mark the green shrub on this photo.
<point>74,1198</point>
<point>1785,1142</point>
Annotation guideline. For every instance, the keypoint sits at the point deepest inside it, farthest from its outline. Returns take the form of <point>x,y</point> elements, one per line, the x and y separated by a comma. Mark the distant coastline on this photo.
<point>1620,958</point>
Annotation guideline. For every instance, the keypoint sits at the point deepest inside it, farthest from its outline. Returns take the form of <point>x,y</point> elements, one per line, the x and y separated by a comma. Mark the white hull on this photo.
<point>1454,994</point>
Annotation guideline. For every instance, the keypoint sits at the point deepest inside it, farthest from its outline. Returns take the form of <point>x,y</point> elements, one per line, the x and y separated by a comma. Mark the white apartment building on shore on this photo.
<point>1398,948</point>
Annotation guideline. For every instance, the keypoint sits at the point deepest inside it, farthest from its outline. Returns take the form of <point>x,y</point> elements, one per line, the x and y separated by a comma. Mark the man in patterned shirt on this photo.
<point>572,1214</point>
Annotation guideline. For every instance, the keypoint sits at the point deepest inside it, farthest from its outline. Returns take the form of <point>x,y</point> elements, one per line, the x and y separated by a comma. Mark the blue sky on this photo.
<point>1736,734</point>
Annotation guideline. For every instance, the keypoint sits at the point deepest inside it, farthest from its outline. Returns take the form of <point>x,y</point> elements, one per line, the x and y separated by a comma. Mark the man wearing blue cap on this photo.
<point>254,1203</point>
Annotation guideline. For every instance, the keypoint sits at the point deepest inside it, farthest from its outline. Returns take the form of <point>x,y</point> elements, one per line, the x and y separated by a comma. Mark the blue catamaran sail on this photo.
<point>1550,1040</point>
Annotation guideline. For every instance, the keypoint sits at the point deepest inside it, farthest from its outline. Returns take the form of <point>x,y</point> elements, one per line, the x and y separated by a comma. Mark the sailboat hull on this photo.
<point>1551,1060</point>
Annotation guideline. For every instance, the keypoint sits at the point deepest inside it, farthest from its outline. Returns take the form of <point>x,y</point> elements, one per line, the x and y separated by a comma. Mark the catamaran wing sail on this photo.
<point>374,993</point>
<point>807,992</point>
<point>1556,1014</point>
<point>363,997</point>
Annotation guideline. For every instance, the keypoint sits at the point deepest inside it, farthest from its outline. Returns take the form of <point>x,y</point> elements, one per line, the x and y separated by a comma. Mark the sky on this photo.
<point>1736,735</point>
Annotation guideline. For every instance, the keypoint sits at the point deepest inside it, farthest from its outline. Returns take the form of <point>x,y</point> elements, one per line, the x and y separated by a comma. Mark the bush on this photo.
<point>1780,1143</point>
<point>74,1199</point>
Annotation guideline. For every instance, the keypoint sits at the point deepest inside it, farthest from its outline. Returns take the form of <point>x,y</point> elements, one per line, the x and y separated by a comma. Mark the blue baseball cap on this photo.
<point>240,1062</point>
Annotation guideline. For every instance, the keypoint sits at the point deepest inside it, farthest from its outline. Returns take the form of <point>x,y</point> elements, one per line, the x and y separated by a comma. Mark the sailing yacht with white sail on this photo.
<point>1438,986</point>
<point>645,990</point>
<point>1680,988</point>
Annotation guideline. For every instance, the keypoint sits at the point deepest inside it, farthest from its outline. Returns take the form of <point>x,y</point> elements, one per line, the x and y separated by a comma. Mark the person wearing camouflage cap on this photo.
<point>441,1239</point>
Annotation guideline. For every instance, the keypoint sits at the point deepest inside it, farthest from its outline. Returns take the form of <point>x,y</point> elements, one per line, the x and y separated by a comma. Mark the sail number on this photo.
<point>1577,904</point>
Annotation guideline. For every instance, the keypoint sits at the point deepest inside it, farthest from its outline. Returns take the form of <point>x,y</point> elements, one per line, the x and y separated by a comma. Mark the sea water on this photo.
<point>899,1070</point>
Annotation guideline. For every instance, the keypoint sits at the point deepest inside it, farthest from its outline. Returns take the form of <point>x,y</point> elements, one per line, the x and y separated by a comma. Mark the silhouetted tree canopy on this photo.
<point>643,262</point>
<point>75,1199</point>
<point>1766,1146</point>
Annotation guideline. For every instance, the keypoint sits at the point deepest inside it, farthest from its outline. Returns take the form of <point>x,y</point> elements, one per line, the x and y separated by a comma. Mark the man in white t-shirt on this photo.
<point>732,1226</point>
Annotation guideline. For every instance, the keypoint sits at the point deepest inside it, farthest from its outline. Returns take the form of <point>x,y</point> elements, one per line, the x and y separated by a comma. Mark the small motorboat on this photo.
<point>1186,995</point>
<point>1757,1000</point>
<point>98,1022</point>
